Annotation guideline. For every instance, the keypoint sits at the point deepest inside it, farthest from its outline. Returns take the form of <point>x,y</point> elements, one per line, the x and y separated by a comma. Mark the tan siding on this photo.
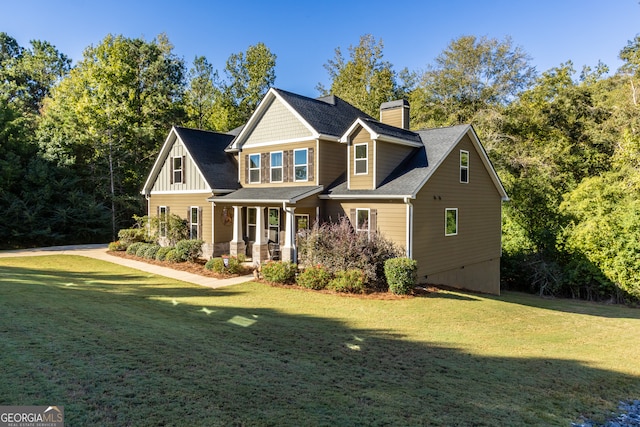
<point>331,160</point>
<point>392,116</point>
<point>277,123</point>
<point>361,182</point>
<point>311,144</point>
<point>479,217</point>
<point>193,179</point>
<point>388,156</point>
<point>179,204</point>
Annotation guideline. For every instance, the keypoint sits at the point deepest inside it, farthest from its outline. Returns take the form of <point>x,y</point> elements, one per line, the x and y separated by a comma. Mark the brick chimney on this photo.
<point>395,113</point>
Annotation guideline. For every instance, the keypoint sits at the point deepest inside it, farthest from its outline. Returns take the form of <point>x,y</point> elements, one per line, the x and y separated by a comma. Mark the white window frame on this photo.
<point>276,168</point>
<point>463,167</point>
<point>304,165</point>
<point>255,169</point>
<point>368,221</point>
<point>176,170</point>
<point>195,224</point>
<point>162,221</point>
<point>364,159</point>
<point>446,221</point>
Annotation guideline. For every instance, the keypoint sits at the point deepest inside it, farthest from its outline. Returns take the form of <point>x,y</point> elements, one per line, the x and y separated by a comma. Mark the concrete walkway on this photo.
<point>100,252</point>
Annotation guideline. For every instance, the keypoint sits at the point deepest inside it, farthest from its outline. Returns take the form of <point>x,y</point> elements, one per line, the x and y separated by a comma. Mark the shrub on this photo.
<point>314,277</point>
<point>133,248</point>
<point>338,247</point>
<point>132,235</point>
<point>117,246</point>
<point>348,281</point>
<point>151,251</point>
<point>162,252</point>
<point>216,265</point>
<point>172,256</point>
<point>142,249</point>
<point>279,271</point>
<point>401,275</point>
<point>189,250</point>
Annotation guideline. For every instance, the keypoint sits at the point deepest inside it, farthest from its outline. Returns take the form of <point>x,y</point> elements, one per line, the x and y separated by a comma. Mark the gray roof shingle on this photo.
<point>269,194</point>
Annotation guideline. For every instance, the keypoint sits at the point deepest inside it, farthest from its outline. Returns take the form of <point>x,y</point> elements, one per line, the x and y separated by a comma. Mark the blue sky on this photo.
<point>304,35</point>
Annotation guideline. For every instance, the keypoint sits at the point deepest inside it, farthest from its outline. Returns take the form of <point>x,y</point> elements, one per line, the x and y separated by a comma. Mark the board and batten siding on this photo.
<point>467,260</point>
<point>388,156</point>
<point>192,179</point>
<point>277,124</point>
<point>363,181</point>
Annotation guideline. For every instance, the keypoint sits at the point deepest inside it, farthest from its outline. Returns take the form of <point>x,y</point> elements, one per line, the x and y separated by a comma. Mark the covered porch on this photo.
<point>266,220</point>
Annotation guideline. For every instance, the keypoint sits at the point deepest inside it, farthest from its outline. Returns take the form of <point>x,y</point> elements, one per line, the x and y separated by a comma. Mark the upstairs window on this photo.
<point>276,166</point>
<point>254,168</point>
<point>451,221</point>
<point>300,165</point>
<point>464,166</point>
<point>361,158</point>
<point>177,165</point>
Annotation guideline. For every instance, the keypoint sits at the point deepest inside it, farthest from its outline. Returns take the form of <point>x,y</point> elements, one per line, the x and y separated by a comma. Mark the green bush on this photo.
<point>351,281</point>
<point>314,277</point>
<point>216,265</point>
<point>117,246</point>
<point>279,271</point>
<point>162,252</point>
<point>132,249</point>
<point>142,249</point>
<point>151,251</point>
<point>401,275</point>
<point>234,266</point>
<point>172,256</point>
<point>189,250</point>
<point>132,235</point>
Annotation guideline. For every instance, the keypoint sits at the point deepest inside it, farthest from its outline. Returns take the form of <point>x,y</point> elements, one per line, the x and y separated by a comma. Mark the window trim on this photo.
<point>305,165</point>
<point>446,221</point>
<point>162,221</point>
<point>175,170</point>
<point>192,224</point>
<point>270,226</point>
<point>274,168</point>
<point>364,159</point>
<point>464,168</point>
<point>368,221</point>
<point>252,222</point>
<point>258,168</point>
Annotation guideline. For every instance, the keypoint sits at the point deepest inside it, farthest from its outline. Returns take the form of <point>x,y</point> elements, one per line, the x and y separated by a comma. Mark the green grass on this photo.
<point>119,347</point>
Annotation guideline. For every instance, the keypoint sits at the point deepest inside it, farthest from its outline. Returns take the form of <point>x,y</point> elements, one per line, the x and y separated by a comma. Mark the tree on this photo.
<point>202,94</point>
<point>108,118</point>
<point>471,76</point>
<point>366,80</point>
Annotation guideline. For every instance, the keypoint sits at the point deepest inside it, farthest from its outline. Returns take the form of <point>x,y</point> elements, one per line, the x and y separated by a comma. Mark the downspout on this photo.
<point>409,227</point>
<point>213,227</point>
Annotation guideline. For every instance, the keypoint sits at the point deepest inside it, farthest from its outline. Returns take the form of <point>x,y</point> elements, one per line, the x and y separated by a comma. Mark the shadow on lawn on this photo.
<point>136,358</point>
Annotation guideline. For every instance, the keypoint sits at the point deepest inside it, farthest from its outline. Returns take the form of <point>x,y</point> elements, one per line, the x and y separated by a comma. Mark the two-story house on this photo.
<point>299,160</point>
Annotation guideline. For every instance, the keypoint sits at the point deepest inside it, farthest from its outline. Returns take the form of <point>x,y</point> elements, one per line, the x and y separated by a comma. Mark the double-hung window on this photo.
<point>276,166</point>
<point>254,168</point>
<point>363,220</point>
<point>300,164</point>
<point>162,221</point>
<point>194,222</point>
<point>252,223</point>
<point>274,225</point>
<point>451,221</point>
<point>177,170</point>
<point>464,166</point>
<point>361,158</point>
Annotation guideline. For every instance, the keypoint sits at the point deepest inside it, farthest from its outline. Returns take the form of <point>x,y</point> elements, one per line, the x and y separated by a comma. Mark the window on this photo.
<point>302,222</point>
<point>464,166</point>
<point>451,221</point>
<point>300,165</point>
<point>276,166</point>
<point>194,222</point>
<point>176,170</point>
<point>162,221</point>
<point>251,224</point>
<point>254,168</point>
<point>361,158</point>
<point>362,220</point>
<point>274,225</point>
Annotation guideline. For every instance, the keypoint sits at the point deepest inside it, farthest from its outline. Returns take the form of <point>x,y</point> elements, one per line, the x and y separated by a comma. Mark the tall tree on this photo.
<point>201,95</point>
<point>365,80</point>
<point>472,75</point>
<point>109,117</point>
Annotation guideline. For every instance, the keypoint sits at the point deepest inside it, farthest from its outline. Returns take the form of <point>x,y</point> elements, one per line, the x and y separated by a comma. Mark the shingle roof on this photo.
<point>269,194</point>
<point>392,131</point>
<point>413,172</point>
<point>218,168</point>
<point>328,115</point>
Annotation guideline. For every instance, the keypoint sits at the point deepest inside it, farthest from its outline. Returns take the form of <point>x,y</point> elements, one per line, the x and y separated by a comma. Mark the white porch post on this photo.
<point>260,250</point>
<point>237,245</point>
<point>289,249</point>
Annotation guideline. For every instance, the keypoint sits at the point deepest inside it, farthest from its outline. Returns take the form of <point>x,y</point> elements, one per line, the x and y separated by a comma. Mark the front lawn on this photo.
<point>117,346</point>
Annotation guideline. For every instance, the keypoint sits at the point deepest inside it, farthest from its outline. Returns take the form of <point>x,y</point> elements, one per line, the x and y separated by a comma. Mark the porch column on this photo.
<point>288,251</point>
<point>237,245</point>
<point>260,251</point>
